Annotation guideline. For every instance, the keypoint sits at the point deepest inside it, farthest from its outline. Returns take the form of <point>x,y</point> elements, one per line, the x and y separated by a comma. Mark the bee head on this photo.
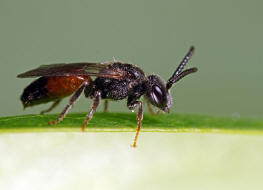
<point>157,94</point>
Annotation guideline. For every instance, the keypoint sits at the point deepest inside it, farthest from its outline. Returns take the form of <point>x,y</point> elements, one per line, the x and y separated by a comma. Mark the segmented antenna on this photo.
<point>178,74</point>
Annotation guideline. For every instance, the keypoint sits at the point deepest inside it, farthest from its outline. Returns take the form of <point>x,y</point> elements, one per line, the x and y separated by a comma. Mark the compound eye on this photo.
<point>157,94</point>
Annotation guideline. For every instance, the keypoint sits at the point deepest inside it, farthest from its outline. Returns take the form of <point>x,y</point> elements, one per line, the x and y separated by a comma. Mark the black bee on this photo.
<point>115,81</point>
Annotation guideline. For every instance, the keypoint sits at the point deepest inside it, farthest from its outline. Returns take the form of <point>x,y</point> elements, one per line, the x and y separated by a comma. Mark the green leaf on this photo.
<point>124,122</point>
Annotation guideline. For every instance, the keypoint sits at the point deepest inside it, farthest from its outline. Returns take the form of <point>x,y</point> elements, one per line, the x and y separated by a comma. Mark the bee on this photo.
<point>113,81</point>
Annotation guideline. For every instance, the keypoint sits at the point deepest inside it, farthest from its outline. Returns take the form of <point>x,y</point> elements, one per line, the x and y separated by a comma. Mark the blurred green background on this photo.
<point>154,35</point>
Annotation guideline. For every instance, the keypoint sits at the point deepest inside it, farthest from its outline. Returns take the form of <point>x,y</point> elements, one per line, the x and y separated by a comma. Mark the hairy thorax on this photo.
<point>119,89</point>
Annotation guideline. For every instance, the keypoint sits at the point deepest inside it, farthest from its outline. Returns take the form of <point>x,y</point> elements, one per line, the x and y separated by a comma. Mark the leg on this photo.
<point>139,119</point>
<point>51,107</point>
<point>106,103</point>
<point>150,108</point>
<point>95,104</point>
<point>72,100</point>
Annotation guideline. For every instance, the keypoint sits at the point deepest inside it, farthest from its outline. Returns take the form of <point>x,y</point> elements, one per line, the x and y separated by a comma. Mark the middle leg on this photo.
<point>106,105</point>
<point>95,104</point>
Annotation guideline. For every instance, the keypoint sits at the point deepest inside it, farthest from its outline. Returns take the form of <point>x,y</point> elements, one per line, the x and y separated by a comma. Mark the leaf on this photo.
<point>125,122</point>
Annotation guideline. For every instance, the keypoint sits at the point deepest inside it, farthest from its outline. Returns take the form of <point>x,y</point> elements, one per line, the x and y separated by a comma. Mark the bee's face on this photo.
<point>157,94</point>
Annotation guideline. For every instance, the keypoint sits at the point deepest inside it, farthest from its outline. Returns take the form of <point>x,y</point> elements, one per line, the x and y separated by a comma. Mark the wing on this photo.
<point>75,69</point>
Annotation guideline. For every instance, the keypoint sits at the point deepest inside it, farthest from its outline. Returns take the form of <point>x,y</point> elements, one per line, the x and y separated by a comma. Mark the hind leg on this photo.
<point>72,100</point>
<point>55,104</point>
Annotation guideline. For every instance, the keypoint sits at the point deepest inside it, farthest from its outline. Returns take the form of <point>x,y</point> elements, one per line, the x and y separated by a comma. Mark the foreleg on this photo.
<point>150,109</point>
<point>139,119</point>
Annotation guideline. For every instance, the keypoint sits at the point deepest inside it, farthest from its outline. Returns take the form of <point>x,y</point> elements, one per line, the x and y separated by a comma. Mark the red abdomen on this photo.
<point>61,86</point>
<point>46,89</point>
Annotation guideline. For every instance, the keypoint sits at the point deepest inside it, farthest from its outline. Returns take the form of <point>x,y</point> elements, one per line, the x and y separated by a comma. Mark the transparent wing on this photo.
<point>74,69</point>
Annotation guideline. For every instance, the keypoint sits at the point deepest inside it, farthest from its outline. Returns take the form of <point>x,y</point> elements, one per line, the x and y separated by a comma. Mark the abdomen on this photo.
<point>46,89</point>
